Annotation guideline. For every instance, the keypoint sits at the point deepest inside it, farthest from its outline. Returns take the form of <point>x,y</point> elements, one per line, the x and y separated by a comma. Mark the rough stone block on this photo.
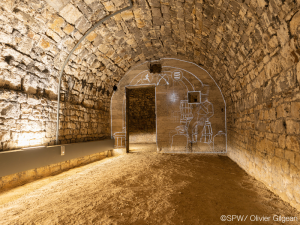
<point>295,23</point>
<point>287,58</point>
<point>8,95</point>
<point>26,109</point>
<point>109,6</point>
<point>273,42</point>
<point>270,147</point>
<point>289,155</point>
<point>32,126</point>
<point>10,110</point>
<point>131,42</point>
<point>156,12</point>
<point>68,42</point>
<point>283,34</point>
<point>68,29</point>
<point>53,35</point>
<point>9,52</point>
<point>118,3</point>
<point>11,80</point>
<point>89,1</point>
<point>56,22</point>
<point>295,110</point>
<point>4,136</point>
<point>85,9</point>
<point>30,84</point>
<point>279,152</point>
<point>32,35</point>
<point>5,38</point>
<point>83,24</point>
<point>25,45</point>
<point>292,143</point>
<point>33,100</point>
<point>283,110</point>
<point>154,3</point>
<point>261,145</point>
<point>70,13</point>
<point>281,141</point>
<point>285,82</point>
<point>9,5</point>
<point>44,43</point>
<point>293,127</point>
<point>59,59</point>
<point>3,64</point>
<point>267,91</point>
<point>91,37</point>
<point>272,114</point>
<point>279,127</point>
<point>57,4</point>
<point>165,9</point>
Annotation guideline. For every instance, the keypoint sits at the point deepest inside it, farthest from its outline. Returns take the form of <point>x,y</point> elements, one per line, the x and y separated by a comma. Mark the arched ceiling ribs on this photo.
<point>86,35</point>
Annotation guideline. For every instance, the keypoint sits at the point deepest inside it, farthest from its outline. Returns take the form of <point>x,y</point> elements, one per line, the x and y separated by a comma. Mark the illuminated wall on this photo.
<point>30,120</point>
<point>190,109</point>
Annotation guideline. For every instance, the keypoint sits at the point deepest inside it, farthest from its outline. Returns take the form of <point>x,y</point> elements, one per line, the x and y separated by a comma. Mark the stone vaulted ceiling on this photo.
<point>232,39</point>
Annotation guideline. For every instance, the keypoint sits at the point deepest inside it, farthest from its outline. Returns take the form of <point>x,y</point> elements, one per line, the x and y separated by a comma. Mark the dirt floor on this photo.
<point>145,187</point>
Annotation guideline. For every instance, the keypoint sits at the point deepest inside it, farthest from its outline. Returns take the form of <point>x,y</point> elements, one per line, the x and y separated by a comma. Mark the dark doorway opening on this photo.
<point>140,116</point>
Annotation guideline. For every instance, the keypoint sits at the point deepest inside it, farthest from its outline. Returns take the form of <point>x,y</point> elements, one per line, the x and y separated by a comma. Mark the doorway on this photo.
<point>140,116</point>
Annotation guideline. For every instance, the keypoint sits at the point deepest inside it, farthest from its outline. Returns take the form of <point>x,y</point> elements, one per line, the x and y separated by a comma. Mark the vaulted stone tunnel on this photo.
<point>251,48</point>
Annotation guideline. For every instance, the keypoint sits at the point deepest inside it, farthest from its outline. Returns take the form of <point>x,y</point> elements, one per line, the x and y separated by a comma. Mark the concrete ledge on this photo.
<point>12,162</point>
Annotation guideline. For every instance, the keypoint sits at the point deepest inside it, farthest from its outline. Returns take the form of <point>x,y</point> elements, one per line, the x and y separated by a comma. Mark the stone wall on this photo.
<point>26,120</point>
<point>257,67</point>
<point>142,118</point>
<point>264,132</point>
<point>30,120</point>
<point>34,41</point>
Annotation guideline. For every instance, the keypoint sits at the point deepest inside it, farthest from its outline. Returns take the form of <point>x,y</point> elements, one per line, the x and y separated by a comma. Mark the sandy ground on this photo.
<point>144,187</point>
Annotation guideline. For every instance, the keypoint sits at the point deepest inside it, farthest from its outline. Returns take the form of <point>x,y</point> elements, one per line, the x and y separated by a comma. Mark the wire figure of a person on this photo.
<point>204,113</point>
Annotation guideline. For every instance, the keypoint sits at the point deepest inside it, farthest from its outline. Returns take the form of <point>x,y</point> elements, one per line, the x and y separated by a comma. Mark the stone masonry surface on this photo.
<point>141,110</point>
<point>250,47</point>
